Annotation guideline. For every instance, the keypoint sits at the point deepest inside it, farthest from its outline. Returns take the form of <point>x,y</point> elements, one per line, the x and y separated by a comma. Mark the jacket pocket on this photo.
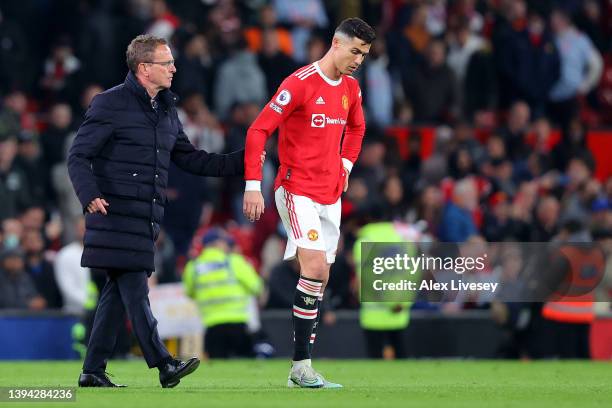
<point>118,189</point>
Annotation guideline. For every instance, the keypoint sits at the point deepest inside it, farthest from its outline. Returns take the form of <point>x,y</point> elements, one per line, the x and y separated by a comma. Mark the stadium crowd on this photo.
<point>508,90</point>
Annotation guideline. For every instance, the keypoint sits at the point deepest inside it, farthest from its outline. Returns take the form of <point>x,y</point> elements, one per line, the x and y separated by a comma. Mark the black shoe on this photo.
<point>97,380</point>
<point>171,373</point>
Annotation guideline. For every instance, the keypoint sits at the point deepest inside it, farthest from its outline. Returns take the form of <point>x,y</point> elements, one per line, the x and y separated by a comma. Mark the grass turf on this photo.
<point>422,383</point>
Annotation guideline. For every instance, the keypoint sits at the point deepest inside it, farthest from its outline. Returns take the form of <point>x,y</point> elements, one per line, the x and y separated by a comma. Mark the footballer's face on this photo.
<point>160,70</point>
<point>349,53</point>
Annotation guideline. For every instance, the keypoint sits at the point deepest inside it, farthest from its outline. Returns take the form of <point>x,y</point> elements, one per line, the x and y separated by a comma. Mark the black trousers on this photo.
<point>123,292</point>
<point>376,340</point>
<point>228,340</point>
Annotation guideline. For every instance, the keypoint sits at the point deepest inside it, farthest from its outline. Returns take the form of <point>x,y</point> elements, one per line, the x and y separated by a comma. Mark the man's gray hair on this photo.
<point>141,49</point>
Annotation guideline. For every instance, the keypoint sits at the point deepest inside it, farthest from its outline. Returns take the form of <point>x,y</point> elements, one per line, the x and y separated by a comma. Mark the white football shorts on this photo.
<point>308,224</point>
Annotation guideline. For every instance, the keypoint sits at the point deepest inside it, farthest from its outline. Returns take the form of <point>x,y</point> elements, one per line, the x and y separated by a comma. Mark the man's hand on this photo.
<point>346,177</point>
<point>263,158</point>
<point>253,205</point>
<point>97,204</point>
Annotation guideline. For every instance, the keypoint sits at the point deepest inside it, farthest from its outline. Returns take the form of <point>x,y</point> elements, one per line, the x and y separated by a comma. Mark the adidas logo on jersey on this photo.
<point>320,101</point>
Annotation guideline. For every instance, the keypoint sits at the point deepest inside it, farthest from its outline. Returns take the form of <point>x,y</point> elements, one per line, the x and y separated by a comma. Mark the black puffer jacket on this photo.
<point>121,153</point>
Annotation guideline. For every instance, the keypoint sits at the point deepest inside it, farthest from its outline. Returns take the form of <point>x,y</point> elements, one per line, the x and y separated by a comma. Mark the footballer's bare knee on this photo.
<point>313,264</point>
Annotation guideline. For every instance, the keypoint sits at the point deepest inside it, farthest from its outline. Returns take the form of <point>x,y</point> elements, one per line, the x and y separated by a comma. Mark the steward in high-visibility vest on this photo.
<point>570,310</point>
<point>222,284</point>
<point>384,322</point>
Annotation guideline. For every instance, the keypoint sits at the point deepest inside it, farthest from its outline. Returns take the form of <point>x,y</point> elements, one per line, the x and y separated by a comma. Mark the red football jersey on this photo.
<point>311,112</point>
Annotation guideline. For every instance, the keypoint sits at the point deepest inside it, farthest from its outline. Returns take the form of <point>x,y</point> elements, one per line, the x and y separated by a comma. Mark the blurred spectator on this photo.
<point>13,55</point>
<point>435,167</point>
<point>393,203</point>
<point>431,86</point>
<point>573,143</point>
<point>462,44</point>
<point>40,269</point>
<point>589,21</point>
<point>224,26</point>
<point>53,141</point>
<point>546,220</point>
<point>515,131</point>
<point>86,97</point>
<point>436,17</point>
<point>16,114</point>
<point>14,188</point>
<point>164,22</point>
<point>416,31</point>
<point>479,91</point>
<point>239,80</point>
<point>370,166</point>
<point>12,230</point>
<point>17,291</point>
<point>581,67</point>
<point>378,90</point>
<point>304,16</point>
<point>242,115</point>
<point>61,72</point>
<point>284,277</point>
<point>190,194</point>
<point>497,224</point>
<point>580,189</point>
<point>268,22</point>
<point>165,260</point>
<point>98,44</point>
<point>200,125</point>
<point>529,64</point>
<point>461,163</point>
<point>428,208</point>
<point>30,160</point>
<point>195,67</point>
<point>457,224</point>
<point>316,47</point>
<point>275,64</point>
<point>73,279</point>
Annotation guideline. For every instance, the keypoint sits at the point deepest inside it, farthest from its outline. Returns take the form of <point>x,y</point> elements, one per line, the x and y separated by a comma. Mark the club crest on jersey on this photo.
<point>345,102</point>
<point>313,235</point>
<point>318,120</point>
<point>284,97</point>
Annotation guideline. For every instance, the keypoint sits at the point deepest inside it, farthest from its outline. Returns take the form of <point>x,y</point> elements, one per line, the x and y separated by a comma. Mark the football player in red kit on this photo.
<point>312,108</point>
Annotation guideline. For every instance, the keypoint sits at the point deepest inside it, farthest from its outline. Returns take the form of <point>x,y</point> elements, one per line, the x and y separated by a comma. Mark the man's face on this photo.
<point>160,70</point>
<point>13,264</point>
<point>349,53</point>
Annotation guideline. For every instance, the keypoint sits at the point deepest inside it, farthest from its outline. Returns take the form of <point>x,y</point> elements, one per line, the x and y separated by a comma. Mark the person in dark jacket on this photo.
<point>118,165</point>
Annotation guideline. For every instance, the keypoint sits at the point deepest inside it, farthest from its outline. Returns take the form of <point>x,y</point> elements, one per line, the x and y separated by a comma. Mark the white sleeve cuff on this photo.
<point>253,185</point>
<point>347,164</point>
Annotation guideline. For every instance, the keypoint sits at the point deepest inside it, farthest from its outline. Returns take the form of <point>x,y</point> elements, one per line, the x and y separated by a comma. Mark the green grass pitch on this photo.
<point>418,383</point>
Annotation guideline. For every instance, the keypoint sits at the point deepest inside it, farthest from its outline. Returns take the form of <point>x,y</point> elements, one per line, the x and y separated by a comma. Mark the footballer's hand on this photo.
<point>346,177</point>
<point>97,205</point>
<point>253,205</point>
<point>263,158</point>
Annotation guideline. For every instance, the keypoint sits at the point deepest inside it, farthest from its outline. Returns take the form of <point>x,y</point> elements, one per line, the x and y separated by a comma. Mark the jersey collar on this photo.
<point>325,78</point>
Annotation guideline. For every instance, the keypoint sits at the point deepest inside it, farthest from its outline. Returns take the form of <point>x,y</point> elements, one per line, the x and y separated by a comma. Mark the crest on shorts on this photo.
<point>345,103</point>
<point>313,235</point>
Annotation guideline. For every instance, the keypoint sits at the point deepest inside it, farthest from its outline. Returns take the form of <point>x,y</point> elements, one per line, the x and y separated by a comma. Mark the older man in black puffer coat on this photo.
<point>118,165</point>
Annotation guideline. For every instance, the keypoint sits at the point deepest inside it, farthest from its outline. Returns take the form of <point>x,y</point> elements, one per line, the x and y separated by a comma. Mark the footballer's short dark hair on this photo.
<point>356,27</point>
